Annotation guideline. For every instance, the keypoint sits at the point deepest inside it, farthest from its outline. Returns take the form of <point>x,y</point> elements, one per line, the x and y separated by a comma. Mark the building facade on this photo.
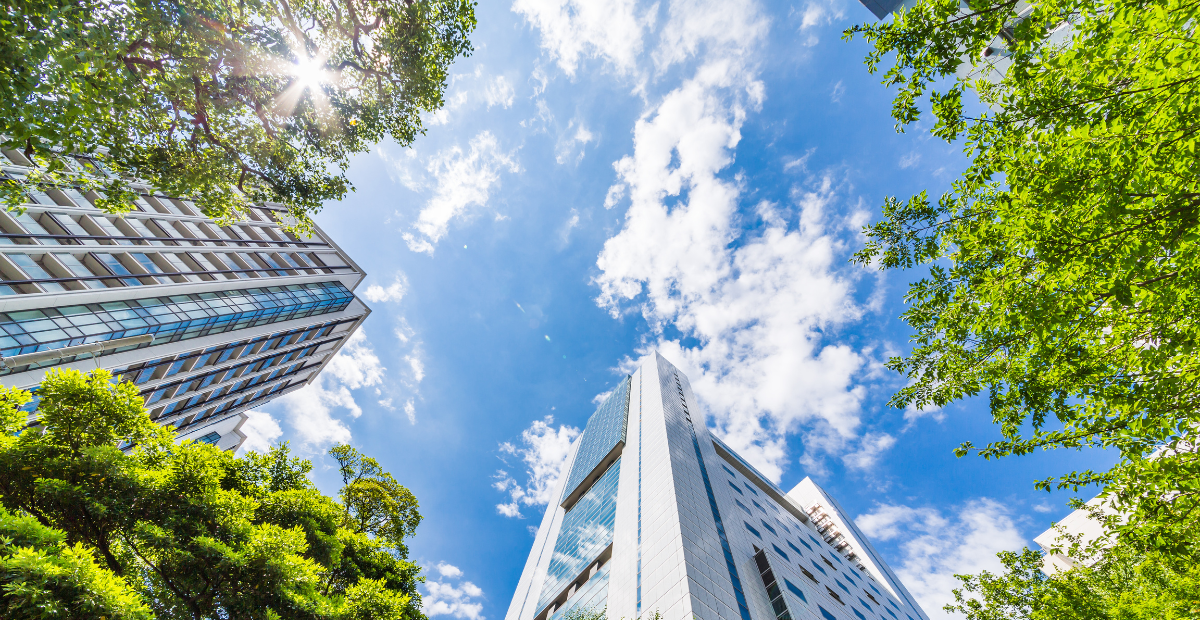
<point>208,320</point>
<point>655,514</point>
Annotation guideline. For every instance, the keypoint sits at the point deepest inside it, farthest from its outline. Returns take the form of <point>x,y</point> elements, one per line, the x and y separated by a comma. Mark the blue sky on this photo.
<point>609,178</point>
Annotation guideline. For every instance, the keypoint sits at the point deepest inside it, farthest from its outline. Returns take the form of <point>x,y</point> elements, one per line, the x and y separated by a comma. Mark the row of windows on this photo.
<point>780,605</point>
<point>66,196</point>
<point>246,389</point>
<point>231,407</point>
<point>61,271</point>
<point>586,531</point>
<point>170,319</point>
<point>849,576</point>
<point>49,227</point>
<point>143,372</point>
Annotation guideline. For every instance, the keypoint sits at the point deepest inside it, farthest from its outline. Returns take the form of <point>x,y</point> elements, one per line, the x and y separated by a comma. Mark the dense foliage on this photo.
<point>1121,584</point>
<point>1063,263</point>
<point>171,530</point>
<point>223,102</point>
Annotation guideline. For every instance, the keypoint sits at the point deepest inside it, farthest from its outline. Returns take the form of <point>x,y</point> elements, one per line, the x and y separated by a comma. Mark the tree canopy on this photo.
<point>169,530</point>
<point>1062,263</point>
<point>222,102</point>
<point>1119,583</point>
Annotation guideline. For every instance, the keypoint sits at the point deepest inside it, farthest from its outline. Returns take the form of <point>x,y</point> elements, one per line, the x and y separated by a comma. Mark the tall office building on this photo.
<point>207,320</point>
<point>654,513</point>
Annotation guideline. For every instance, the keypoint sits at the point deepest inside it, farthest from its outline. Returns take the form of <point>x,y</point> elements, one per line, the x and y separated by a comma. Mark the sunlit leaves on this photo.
<point>187,530</point>
<point>1062,264</point>
<point>225,103</point>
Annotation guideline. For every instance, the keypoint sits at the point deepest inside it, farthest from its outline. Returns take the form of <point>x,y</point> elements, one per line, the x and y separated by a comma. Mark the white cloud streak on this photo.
<point>463,179</point>
<point>543,450</point>
<point>499,92</point>
<point>936,546</point>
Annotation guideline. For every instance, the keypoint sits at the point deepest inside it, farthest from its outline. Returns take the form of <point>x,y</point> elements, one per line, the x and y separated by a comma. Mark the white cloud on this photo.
<point>839,89</point>
<point>913,413</point>
<point>543,450</point>
<point>614,195</point>
<point>261,431</point>
<point>452,103</point>
<point>935,547</point>
<point>448,570</point>
<point>579,29</point>
<point>499,92</point>
<point>1043,507</point>
<point>445,599</point>
<point>762,309</point>
<point>564,233</point>
<point>910,160</point>
<point>463,179</point>
<point>564,151</point>
<point>310,410</point>
<point>416,365</point>
<point>393,293</point>
<point>870,448</point>
<point>815,14</point>
<point>410,410</point>
<point>356,364</point>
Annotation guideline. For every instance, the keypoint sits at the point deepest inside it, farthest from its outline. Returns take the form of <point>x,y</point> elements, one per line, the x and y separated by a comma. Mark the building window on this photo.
<point>778,604</point>
<point>769,528</point>
<point>742,506</point>
<point>735,488</point>
<point>750,488</point>
<point>826,614</point>
<point>729,471</point>
<point>818,567</point>
<point>794,548</point>
<point>780,552</point>
<point>752,530</point>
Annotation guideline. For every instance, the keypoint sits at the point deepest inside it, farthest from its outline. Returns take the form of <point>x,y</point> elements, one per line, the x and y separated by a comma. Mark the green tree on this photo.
<point>222,102</point>
<point>1062,264</point>
<point>194,531</point>
<point>1121,584</point>
<point>42,577</point>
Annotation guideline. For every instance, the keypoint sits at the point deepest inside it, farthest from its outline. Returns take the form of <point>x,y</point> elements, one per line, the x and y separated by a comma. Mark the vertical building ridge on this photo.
<point>693,531</point>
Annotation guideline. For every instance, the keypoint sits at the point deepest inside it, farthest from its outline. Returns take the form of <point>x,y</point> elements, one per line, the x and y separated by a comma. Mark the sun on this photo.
<point>310,72</point>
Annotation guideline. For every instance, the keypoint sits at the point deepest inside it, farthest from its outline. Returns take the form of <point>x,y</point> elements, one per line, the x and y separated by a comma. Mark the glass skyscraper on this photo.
<point>239,313</point>
<point>656,514</point>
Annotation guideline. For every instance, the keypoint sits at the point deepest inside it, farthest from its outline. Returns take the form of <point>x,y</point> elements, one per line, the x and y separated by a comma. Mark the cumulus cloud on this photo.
<point>463,179</point>
<point>448,570</point>
<point>573,30</point>
<point>310,411</point>
<point>760,305</point>
<point>499,92</point>
<point>393,293</point>
<point>935,546</point>
<point>543,450</point>
<point>870,448</point>
<point>261,431</point>
<point>442,598</point>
